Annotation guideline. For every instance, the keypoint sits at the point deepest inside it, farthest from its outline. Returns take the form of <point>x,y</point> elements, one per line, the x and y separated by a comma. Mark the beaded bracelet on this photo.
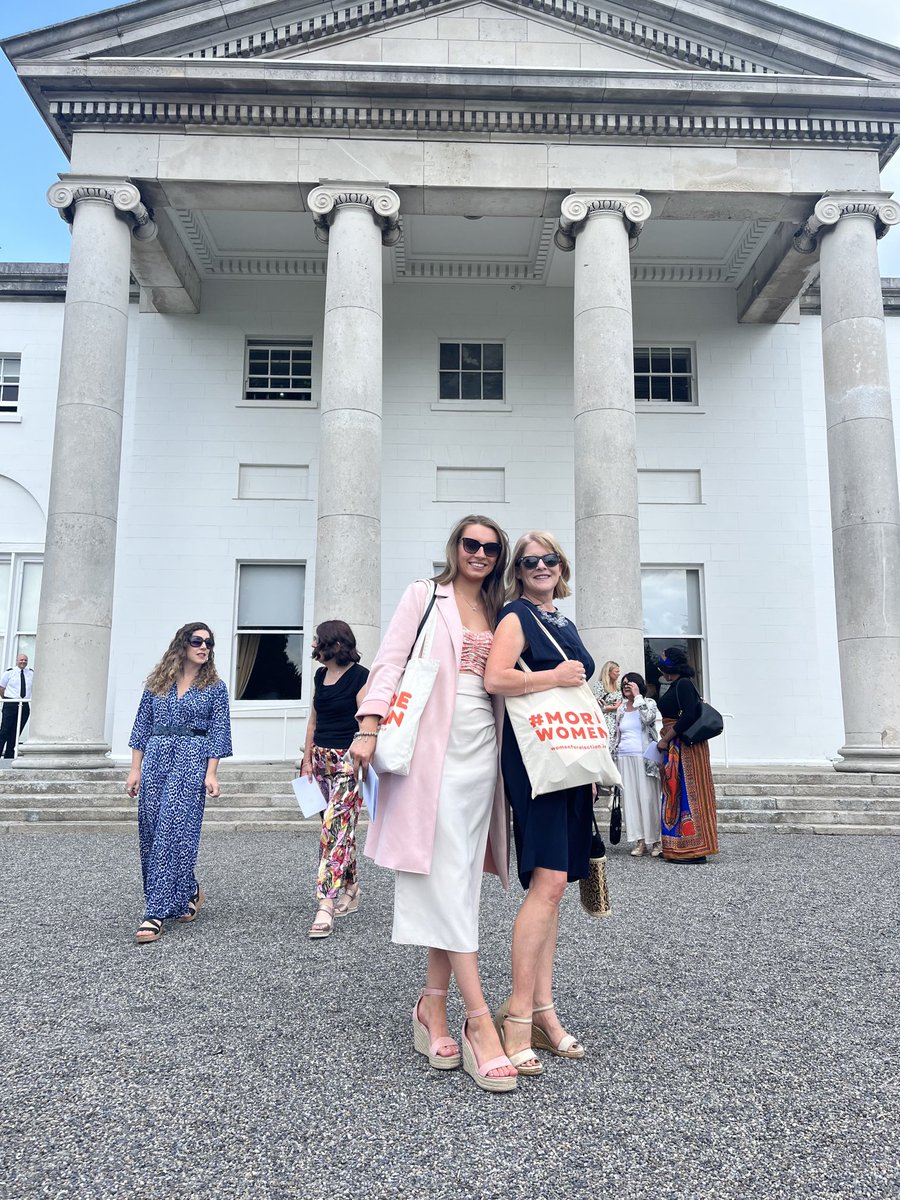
<point>363,734</point>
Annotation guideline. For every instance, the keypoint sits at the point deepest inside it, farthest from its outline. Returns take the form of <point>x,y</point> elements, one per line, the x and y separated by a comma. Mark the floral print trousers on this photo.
<point>337,844</point>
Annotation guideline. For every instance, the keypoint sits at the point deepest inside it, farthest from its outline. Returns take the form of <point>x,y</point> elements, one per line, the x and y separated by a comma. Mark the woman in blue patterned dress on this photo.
<point>181,731</point>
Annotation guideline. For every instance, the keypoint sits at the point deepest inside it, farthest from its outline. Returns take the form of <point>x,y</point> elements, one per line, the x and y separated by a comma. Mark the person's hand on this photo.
<point>662,745</point>
<point>570,673</point>
<point>306,769</point>
<point>362,750</point>
<point>134,782</point>
<point>211,783</point>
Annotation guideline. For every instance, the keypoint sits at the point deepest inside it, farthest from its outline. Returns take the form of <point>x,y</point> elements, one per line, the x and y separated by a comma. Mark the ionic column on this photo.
<point>68,719</point>
<point>862,471</point>
<point>600,229</point>
<point>355,220</point>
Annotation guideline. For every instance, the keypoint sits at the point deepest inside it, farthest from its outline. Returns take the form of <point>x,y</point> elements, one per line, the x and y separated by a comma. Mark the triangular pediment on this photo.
<point>710,35</point>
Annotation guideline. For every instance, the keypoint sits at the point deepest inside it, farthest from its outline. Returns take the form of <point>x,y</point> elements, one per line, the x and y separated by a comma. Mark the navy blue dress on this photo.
<point>553,830</point>
<point>172,796</point>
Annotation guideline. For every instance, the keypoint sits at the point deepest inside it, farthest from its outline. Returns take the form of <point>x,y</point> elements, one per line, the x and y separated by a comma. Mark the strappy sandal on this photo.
<point>567,1047</point>
<point>322,928</point>
<point>349,901</point>
<point>149,930</point>
<point>194,906</point>
<point>432,1049</point>
<point>521,1057</point>
<point>479,1071</point>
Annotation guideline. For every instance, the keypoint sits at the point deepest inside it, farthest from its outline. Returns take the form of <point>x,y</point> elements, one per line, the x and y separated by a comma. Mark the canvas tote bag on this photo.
<point>562,735</point>
<point>397,732</point>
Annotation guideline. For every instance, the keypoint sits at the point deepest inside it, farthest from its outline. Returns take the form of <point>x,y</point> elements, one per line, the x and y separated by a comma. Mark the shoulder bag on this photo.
<point>615,817</point>
<point>709,724</point>
<point>398,730</point>
<point>561,734</point>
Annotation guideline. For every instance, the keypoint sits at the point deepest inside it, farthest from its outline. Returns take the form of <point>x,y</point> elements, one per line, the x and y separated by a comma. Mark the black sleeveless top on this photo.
<point>336,707</point>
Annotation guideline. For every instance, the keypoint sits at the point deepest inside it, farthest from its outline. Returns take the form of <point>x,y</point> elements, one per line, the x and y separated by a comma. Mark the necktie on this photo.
<point>22,686</point>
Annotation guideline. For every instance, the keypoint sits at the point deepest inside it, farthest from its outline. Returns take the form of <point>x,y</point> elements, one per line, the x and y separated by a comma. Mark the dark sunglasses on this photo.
<point>197,642</point>
<point>530,561</point>
<point>471,546</point>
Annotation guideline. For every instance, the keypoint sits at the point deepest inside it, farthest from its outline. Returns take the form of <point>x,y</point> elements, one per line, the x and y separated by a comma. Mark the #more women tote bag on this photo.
<point>562,735</point>
<point>397,732</point>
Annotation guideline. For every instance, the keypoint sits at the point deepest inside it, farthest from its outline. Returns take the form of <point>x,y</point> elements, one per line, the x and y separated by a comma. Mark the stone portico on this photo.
<point>598,135</point>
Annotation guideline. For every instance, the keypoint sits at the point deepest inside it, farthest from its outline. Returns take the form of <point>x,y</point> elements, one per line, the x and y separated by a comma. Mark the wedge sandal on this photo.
<point>566,1047</point>
<point>432,1049</point>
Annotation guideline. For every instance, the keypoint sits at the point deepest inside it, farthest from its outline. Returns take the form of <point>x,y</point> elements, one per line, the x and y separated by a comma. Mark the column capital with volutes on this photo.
<point>580,207</point>
<point>326,200</point>
<point>879,207</point>
<point>121,194</point>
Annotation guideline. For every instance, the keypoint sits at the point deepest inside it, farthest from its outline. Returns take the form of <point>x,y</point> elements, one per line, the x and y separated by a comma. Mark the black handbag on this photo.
<point>709,724</point>
<point>615,818</point>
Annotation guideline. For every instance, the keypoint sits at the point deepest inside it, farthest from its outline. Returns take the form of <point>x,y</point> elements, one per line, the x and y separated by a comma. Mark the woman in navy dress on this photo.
<point>553,831</point>
<point>181,730</point>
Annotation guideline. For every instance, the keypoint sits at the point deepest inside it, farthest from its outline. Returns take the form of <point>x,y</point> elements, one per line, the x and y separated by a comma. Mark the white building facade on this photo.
<point>340,277</point>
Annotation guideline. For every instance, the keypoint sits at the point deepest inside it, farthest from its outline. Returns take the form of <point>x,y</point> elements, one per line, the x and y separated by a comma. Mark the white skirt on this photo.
<point>641,801</point>
<point>441,909</point>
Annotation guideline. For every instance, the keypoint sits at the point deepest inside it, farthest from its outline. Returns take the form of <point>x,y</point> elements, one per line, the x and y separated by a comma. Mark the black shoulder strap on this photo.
<point>425,615</point>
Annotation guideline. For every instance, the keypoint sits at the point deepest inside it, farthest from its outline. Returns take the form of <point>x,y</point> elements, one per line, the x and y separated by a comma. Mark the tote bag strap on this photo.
<point>548,634</point>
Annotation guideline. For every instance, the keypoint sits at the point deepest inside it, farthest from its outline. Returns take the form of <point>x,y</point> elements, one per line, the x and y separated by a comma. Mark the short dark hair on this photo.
<point>634,677</point>
<point>335,641</point>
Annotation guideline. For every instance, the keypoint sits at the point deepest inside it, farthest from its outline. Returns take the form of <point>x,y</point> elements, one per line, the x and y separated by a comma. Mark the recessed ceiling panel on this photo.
<point>263,233</point>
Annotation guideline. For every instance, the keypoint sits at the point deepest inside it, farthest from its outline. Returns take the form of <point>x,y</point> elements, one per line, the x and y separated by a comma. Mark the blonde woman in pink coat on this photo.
<point>443,825</point>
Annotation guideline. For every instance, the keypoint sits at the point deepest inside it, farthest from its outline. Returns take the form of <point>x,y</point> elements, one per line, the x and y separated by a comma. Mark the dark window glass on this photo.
<point>276,671</point>
<point>660,388</point>
<point>471,356</point>
<point>449,385</point>
<point>493,385</point>
<point>471,385</point>
<point>660,362</point>
<point>493,357</point>
<point>449,356</point>
<point>641,359</point>
<point>681,388</point>
<point>642,387</point>
<point>681,361</point>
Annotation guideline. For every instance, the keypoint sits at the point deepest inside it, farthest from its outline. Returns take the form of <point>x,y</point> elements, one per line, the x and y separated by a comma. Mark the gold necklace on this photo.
<point>460,596</point>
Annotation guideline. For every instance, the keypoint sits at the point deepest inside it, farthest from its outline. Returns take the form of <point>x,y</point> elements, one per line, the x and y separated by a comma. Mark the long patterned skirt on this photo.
<point>688,803</point>
<point>337,841</point>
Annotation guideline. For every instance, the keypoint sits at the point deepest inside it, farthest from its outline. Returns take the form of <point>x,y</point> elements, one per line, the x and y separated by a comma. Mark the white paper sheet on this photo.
<point>309,796</point>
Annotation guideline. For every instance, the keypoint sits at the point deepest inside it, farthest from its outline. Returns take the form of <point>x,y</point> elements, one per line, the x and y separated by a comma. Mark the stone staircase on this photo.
<point>258,797</point>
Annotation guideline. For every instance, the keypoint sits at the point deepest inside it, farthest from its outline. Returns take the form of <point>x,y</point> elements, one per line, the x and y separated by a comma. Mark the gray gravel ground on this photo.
<point>740,1018</point>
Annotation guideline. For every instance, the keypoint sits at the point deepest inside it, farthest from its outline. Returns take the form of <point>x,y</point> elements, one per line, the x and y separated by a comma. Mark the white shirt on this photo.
<point>11,682</point>
<point>630,733</point>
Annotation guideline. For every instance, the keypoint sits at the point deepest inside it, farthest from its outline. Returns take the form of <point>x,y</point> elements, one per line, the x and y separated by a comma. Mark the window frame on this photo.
<point>12,633</point>
<point>260,707</point>
<point>701,637</point>
<point>472,405</point>
<point>255,342</point>
<point>692,405</point>
<point>13,412</point>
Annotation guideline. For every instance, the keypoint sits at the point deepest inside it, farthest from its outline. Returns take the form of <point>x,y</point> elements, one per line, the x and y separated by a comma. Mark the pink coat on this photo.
<point>402,835</point>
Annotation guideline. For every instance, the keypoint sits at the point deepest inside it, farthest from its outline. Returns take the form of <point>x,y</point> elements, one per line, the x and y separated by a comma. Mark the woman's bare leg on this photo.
<point>480,1030</point>
<point>433,1009</point>
<point>533,951</point>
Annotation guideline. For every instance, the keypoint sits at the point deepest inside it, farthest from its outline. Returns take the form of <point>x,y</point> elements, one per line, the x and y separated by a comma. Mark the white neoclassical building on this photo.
<point>341,274</point>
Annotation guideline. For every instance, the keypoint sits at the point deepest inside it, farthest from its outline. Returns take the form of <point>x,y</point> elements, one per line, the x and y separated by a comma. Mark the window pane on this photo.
<point>9,394</point>
<point>25,645</point>
<point>5,568</point>
<point>671,600</point>
<point>471,356</point>
<point>642,387</point>
<point>449,385</point>
<point>471,385</point>
<point>660,387</point>
<point>655,647</point>
<point>641,359</point>
<point>681,361</point>
<point>31,591</point>
<point>681,388</point>
<point>493,357</point>
<point>270,597</point>
<point>272,664</point>
<point>493,385</point>
<point>449,356</point>
<point>660,360</point>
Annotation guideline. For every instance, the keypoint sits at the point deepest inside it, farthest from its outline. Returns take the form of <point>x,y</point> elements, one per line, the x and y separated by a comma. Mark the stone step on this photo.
<point>808,803</point>
<point>850,791</point>
<point>871,816</point>
<point>830,779</point>
<point>103,815</point>
<point>115,787</point>
<point>830,830</point>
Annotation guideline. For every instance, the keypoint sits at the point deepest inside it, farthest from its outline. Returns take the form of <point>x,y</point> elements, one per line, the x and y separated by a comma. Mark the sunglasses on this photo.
<point>530,561</point>
<point>197,642</point>
<point>471,546</point>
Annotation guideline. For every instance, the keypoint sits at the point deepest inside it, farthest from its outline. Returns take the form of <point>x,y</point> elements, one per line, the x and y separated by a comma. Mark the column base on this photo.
<point>61,756</point>
<point>877,760</point>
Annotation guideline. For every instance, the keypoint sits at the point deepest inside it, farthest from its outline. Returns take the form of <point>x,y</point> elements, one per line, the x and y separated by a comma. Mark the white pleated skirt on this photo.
<point>441,909</point>
<point>641,800</point>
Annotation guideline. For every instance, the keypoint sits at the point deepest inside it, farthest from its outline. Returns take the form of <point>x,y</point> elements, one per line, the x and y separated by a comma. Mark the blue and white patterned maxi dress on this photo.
<point>172,796</point>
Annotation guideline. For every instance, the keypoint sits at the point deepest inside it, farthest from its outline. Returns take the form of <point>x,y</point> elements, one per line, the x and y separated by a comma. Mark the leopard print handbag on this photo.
<point>594,890</point>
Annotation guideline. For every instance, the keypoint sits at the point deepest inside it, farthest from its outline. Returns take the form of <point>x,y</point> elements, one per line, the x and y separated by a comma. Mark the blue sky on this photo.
<point>30,231</point>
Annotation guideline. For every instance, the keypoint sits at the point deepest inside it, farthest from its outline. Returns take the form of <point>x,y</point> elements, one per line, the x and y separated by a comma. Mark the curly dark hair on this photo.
<point>335,642</point>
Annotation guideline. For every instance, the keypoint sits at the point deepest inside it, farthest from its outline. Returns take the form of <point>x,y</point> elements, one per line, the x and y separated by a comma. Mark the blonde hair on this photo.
<point>166,671</point>
<point>604,675</point>
<point>493,588</point>
<point>514,586</point>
